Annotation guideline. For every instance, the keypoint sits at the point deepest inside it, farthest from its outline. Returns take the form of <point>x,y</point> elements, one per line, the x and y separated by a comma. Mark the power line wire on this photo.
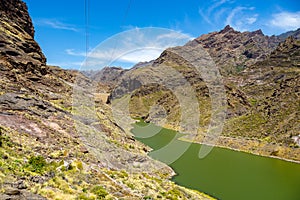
<point>122,24</point>
<point>86,15</point>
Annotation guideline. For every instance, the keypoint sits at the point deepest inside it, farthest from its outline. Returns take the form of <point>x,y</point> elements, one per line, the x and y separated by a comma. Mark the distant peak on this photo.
<point>115,68</point>
<point>227,28</point>
<point>257,32</point>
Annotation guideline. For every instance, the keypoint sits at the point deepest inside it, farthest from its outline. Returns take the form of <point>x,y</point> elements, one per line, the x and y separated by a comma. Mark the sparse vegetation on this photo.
<point>99,191</point>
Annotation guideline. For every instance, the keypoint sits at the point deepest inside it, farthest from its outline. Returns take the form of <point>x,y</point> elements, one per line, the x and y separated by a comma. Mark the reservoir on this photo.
<point>225,174</point>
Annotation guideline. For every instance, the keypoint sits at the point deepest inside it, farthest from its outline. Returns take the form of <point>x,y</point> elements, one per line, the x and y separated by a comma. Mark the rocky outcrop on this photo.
<point>272,88</point>
<point>287,54</point>
<point>108,75</point>
<point>18,49</point>
<point>17,194</point>
<point>233,51</point>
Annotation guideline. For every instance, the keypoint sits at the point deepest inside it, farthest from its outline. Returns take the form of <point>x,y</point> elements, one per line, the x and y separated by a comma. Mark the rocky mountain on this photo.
<point>295,34</point>
<point>260,77</point>
<point>272,88</point>
<point>55,143</point>
<point>142,64</point>
<point>108,75</point>
<point>286,53</point>
<point>233,51</point>
<point>18,49</point>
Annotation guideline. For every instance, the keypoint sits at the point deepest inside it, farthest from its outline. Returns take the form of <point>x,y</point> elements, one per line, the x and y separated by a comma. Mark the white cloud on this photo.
<point>235,11</point>
<point>133,46</point>
<point>218,14</point>
<point>222,13</point>
<point>240,18</point>
<point>173,35</point>
<point>54,23</point>
<point>140,55</point>
<point>206,14</point>
<point>286,20</point>
<point>69,64</point>
<point>215,5</point>
<point>73,53</point>
<point>251,20</point>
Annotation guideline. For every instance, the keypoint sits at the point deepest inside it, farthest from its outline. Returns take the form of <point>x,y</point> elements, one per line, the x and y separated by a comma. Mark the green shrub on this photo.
<point>37,163</point>
<point>84,190</point>
<point>99,191</point>
<point>123,174</point>
<point>130,185</point>
<point>173,194</point>
<point>84,197</point>
<point>253,102</point>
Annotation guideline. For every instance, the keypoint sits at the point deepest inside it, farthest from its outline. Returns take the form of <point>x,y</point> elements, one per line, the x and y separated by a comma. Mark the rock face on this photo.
<point>233,51</point>
<point>16,11</point>
<point>16,194</point>
<point>286,54</point>
<point>272,87</point>
<point>18,50</point>
<point>108,75</point>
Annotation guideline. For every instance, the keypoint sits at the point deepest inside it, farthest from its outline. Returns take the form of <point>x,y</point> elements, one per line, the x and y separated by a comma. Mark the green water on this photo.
<point>226,174</point>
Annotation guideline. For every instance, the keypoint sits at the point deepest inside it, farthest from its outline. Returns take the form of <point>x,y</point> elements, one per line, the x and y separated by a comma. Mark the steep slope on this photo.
<point>286,54</point>
<point>18,49</point>
<point>272,87</point>
<point>48,147</point>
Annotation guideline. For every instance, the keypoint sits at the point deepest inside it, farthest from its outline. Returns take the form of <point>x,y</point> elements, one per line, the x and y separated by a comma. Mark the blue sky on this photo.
<point>61,33</point>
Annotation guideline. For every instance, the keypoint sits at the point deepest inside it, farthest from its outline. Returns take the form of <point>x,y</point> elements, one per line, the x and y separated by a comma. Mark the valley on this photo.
<point>224,173</point>
<point>136,133</point>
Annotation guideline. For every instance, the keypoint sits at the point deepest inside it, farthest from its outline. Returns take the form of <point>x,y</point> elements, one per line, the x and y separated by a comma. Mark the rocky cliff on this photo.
<point>18,49</point>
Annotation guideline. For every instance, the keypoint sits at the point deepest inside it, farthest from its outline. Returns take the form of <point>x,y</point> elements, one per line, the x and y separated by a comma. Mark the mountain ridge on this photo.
<point>246,56</point>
